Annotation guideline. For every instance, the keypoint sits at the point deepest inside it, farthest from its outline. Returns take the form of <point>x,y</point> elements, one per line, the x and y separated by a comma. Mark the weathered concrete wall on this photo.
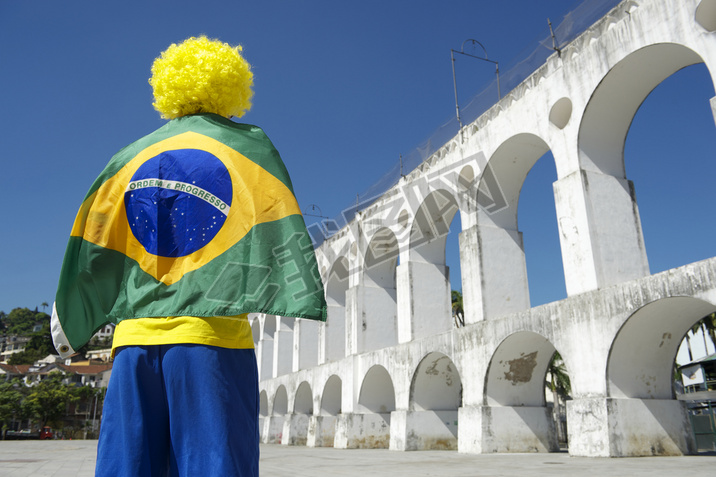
<point>389,370</point>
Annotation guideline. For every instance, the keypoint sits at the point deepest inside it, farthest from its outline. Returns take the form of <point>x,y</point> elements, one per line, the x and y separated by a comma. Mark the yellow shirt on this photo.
<point>223,331</point>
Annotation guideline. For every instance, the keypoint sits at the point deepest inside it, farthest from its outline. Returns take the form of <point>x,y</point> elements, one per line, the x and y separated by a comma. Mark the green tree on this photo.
<point>47,401</point>
<point>21,321</point>
<point>559,382</point>
<point>561,388</point>
<point>11,397</point>
<point>707,325</point>
<point>39,346</point>
<point>458,313</point>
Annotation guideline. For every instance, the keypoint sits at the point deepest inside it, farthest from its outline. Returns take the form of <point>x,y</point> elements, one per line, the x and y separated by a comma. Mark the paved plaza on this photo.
<point>77,459</point>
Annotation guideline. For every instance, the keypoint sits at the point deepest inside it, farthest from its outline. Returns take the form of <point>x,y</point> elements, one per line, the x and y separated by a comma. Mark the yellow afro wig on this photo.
<point>201,76</point>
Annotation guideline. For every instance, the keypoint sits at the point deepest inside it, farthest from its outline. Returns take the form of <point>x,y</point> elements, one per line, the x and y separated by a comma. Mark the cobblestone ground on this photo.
<point>77,459</point>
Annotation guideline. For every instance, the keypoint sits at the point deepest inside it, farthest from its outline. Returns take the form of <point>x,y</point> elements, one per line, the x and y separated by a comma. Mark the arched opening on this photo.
<point>435,396</point>
<point>615,251</point>
<point>264,417</point>
<point>511,254</point>
<point>263,404</point>
<point>304,400</point>
<point>296,429</point>
<point>426,274</point>
<point>375,403</point>
<point>436,385</point>
<point>273,433</point>
<point>335,327</point>
<point>537,219</point>
<point>515,395</point>
<point>616,100</point>
<point>332,397</point>
<point>377,394</point>
<point>695,381</point>
<point>280,402</point>
<point>325,421</point>
<point>669,157</point>
<point>377,325</point>
<point>641,378</point>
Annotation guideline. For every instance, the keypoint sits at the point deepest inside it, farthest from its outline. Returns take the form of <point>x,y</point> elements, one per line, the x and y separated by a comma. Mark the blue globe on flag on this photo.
<point>177,201</point>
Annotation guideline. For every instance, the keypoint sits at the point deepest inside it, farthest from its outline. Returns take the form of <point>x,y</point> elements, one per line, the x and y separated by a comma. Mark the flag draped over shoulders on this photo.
<point>198,218</point>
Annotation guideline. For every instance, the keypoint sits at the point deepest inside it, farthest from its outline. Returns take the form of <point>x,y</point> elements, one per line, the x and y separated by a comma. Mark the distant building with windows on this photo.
<point>10,345</point>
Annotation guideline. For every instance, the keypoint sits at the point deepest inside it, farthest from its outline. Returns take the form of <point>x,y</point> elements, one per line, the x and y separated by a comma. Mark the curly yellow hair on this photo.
<point>201,76</point>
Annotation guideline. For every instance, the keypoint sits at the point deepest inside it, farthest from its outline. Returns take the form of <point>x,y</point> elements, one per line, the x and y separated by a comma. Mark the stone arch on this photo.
<point>431,226</point>
<point>337,282</point>
<point>331,400</point>
<point>335,327</point>
<point>435,396</point>
<point>514,395</point>
<point>376,401</point>
<point>640,407</point>
<point>669,143</point>
<point>381,258</point>
<point>280,402</point>
<point>426,276</point>
<point>295,429</point>
<point>611,109</point>
<point>641,358</point>
<point>263,404</point>
<point>503,282</point>
<point>603,243</point>
<point>273,431</point>
<point>322,431</point>
<point>500,183</point>
<point>303,402</point>
<point>436,385</point>
<point>517,370</point>
<point>377,394</point>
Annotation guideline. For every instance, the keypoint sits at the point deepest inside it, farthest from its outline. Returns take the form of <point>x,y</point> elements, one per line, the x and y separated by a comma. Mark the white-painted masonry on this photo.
<point>389,369</point>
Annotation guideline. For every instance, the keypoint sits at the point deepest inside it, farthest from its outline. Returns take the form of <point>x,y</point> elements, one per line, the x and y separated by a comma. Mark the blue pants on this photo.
<point>180,410</point>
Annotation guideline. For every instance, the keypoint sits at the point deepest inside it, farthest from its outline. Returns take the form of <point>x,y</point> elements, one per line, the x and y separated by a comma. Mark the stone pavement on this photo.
<point>77,459</point>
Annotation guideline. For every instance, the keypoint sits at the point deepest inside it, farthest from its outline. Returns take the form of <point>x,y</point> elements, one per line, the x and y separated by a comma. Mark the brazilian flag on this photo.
<point>198,218</point>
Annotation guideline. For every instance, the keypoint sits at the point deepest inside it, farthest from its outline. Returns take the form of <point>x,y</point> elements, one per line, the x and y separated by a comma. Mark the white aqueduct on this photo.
<point>389,369</point>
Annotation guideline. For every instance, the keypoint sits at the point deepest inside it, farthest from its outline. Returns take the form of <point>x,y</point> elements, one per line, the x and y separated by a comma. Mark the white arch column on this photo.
<point>366,424</point>
<point>628,427</point>
<point>423,291</point>
<point>264,348</point>
<point>371,314</point>
<point>305,344</point>
<point>296,423</point>
<point>494,274</point>
<point>273,424</point>
<point>429,420</point>
<point>283,346</point>
<point>600,231</point>
<point>423,278</point>
<point>512,416</point>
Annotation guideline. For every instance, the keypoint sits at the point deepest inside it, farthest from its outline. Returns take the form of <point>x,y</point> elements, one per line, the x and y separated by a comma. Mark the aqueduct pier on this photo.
<point>389,369</point>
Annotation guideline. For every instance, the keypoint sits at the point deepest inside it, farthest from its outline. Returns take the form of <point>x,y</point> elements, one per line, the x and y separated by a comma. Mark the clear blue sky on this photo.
<point>342,89</point>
